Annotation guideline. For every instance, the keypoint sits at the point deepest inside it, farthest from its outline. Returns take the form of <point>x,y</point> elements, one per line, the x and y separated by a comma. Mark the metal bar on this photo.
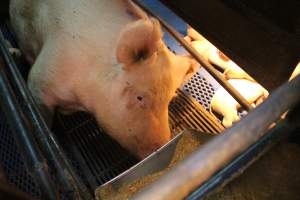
<point>208,126</point>
<point>204,115</point>
<point>194,113</point>
<point>55,155</point>
<point>22,130</point>
<point>178,126</point>
<point>186,119</point>
<point>201,165</point>
<point>243,161</point>
<point>177,123</point>
<point>221,80</point>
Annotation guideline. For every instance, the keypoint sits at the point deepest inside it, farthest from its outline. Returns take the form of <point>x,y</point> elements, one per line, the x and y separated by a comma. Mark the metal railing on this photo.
<point>34,129</point>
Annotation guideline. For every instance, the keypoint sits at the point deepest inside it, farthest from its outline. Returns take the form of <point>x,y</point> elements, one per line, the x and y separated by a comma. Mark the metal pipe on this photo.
<point>55,155</point>
<point>236,166</point>
<point>201,165</point>
<point>34,159</point>
<point>221,80</point>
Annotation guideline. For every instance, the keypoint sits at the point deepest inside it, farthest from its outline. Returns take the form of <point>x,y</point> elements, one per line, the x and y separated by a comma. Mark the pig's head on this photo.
<point>149,76</point>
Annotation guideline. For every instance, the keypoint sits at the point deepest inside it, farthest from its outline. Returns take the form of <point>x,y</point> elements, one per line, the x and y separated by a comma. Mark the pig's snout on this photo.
<point>155,136</point>
<point>154,144</point>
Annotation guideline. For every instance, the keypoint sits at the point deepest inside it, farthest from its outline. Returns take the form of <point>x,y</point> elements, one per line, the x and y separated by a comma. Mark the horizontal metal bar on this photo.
<point>201,165</point>
<point>33,158</point>
<point>253,153</point>
<point>49,145</point>
<point>221,80</point>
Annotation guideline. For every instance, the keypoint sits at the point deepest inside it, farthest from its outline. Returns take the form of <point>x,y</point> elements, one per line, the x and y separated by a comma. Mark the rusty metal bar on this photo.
<point>201,165</point>
<point>221,80</point>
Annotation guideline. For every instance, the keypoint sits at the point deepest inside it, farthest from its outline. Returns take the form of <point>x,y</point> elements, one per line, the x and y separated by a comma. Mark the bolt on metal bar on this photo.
<point>50,147</point>
<point>221,80</point>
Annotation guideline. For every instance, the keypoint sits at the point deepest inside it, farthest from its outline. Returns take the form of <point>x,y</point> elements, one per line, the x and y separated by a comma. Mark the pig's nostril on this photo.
<point>140,98</point>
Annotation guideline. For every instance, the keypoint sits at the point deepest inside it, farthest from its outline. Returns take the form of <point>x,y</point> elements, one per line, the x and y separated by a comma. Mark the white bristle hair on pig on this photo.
<point>106,57</point>
<point>222,102</point>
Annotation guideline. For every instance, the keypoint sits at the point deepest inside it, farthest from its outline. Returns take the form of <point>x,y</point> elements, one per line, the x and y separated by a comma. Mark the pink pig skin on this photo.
<point>92,55</point>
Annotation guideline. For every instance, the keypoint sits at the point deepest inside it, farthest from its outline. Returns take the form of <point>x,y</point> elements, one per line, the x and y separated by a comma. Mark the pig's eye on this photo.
<point>141,55</point>
<point>140,98</point>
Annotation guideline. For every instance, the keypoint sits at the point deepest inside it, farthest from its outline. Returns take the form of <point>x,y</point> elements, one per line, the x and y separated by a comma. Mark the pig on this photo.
<point>222,102</point>
<point>106,57</point>
<point>225,105</point>
<point>214,56</point>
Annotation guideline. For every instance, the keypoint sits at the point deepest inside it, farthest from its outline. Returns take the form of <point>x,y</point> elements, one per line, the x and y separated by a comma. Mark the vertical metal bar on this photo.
<point>221,80</point>
<point>22,130</point>
<point>47,140</point>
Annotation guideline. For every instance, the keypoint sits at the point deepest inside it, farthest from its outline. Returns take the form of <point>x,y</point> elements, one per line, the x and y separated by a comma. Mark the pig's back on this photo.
<point>23,18</point>
<point>97,22</point>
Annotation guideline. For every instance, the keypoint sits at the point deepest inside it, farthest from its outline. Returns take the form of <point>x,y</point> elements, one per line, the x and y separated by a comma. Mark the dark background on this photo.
<point>4,9</point>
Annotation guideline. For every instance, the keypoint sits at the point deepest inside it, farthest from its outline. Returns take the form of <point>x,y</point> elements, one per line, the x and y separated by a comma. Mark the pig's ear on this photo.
<point>138,41</point>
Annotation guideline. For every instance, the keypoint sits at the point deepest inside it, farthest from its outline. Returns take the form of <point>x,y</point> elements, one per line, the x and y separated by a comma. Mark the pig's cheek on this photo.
<point>138,102</point>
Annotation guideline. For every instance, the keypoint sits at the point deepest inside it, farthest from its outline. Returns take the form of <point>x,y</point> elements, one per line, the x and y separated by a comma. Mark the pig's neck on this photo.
<point>99,92</point>
<point>95,81</point>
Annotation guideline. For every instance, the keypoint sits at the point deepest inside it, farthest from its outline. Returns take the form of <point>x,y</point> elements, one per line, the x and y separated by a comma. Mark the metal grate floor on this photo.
<point>102,157</point>
<point>200,89</point>
<point>13,164</point>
